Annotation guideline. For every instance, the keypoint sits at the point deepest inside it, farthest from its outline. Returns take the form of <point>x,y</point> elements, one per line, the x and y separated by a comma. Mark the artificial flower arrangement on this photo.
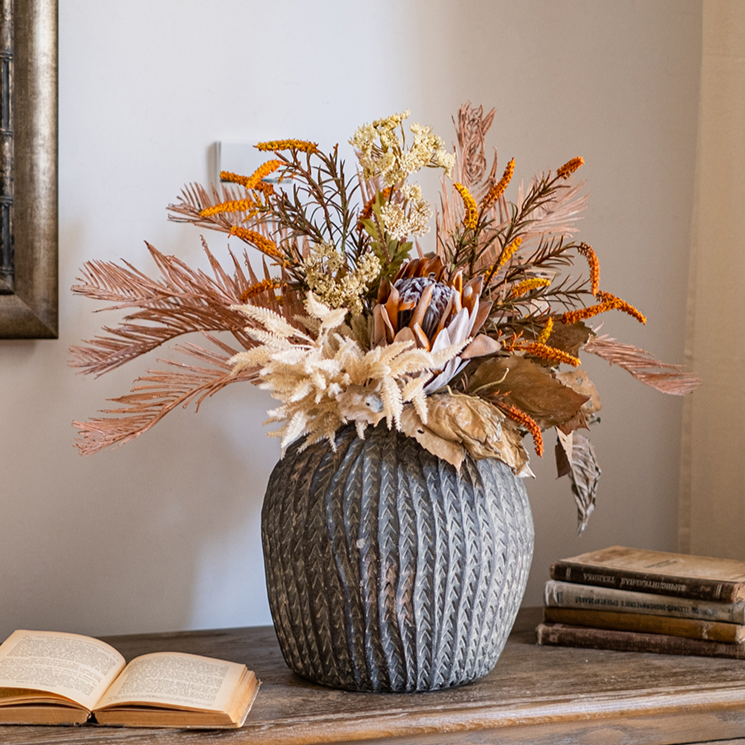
<point>466,345</point>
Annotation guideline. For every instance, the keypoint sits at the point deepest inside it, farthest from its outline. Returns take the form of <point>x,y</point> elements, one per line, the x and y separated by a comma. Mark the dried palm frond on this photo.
<point>471,127</point>
<point>643,366</point>
<point>549,207</point>
<point>181,301</point>
<point>159,392</point>
<point>550,217</point>
<point>556,217</point>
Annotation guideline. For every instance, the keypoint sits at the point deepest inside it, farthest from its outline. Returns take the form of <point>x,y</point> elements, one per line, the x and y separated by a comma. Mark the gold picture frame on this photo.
<point>29,287</point>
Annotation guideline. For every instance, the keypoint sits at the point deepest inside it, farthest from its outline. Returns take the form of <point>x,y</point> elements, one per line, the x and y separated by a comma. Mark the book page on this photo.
<point>175,679</point>
<point>77,667</point>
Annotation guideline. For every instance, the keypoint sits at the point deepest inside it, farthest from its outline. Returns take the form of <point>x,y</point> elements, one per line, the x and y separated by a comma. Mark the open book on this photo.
<point>58,678</point>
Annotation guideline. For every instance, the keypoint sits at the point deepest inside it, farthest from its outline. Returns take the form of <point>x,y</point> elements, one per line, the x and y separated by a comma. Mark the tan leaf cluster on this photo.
<point>459,424</point>
<point>326,379</point>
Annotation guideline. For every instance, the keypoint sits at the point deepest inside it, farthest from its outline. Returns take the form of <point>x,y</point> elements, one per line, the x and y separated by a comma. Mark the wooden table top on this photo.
<point>535,695</point>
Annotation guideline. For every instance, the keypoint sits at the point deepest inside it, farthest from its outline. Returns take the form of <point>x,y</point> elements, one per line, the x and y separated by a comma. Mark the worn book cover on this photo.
<point>692,628</point>
<point>559,634</point>
<point>591,597</point>
<point>660,572</point>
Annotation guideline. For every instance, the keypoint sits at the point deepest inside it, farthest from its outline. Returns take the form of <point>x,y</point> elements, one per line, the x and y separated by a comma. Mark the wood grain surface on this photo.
<point>535,695</point>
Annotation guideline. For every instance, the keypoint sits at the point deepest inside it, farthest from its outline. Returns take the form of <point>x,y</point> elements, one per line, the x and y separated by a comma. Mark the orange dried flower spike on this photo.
<point>538,349</point>
<point>252,181</point>
<point>256,239</point>
<point>592,259</point>
<point>259,287</point>
<point>527,422</point>
<point>471,219</point>
<point>529,284</point>
<point>509,252</point>
<point>274,145</point>
<point>234,205</point>
<point>570,167</point>
<point>265,188</point>
<point>546,332</point>
<point>582,314</point>
<point>621,305</point>
<point>607,302</point>
<point>506,255</point>
<point>499,188</point>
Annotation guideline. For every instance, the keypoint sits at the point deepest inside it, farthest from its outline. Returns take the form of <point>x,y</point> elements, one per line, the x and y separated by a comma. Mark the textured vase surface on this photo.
<point>387,569</point>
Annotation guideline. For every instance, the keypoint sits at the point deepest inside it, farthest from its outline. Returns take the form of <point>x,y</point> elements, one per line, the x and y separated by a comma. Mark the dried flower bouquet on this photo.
<point>466,347</point>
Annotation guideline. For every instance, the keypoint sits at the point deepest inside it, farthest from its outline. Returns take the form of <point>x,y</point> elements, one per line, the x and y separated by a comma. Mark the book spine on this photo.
<point>567,595</point>
<point>661,584</point>
<point>692,628</point>
<point>559,634</point>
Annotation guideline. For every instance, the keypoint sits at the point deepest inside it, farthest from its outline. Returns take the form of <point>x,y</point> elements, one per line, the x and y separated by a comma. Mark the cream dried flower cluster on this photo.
<point>410,219</point>
<point>328,277</point>
<point>325,378</point>
<point>382,154</point>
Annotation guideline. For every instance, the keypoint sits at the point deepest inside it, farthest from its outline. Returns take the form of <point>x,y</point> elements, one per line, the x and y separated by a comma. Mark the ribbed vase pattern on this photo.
<point>387,569</point>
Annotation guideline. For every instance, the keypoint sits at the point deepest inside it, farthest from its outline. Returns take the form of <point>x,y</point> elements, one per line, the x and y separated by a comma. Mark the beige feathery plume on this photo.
<point>327,381</point>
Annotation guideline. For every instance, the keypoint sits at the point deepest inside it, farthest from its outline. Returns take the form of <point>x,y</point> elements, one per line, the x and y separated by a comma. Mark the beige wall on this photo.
<point>164,533</point>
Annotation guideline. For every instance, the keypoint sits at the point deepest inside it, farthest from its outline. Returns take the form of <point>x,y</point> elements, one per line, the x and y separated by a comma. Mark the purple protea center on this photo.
<point>411,289</point>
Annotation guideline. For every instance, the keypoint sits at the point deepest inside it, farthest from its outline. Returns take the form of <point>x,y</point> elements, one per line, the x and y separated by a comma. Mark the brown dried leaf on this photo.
<point>578,421</point>
<point>512,451</point>
<point>482,429</point>
<point>475,423</point>
<point>563,452</point>
<point>411,426</point>
<point>472,425</point>
<point>520,382</point>
<point>578,381</point>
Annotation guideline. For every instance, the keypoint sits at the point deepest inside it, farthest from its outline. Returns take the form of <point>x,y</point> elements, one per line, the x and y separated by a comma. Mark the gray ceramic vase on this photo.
<point>388,570</point>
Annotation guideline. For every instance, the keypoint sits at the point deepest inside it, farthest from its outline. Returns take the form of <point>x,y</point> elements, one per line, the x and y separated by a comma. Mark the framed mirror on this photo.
<point>28,169</point>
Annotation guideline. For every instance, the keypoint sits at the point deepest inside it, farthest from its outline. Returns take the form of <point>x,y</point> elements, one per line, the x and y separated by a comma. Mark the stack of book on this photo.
<point>646,601</point>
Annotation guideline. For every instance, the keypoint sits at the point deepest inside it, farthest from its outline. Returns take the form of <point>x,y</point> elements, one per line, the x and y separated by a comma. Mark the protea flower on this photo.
<point>418,306</point>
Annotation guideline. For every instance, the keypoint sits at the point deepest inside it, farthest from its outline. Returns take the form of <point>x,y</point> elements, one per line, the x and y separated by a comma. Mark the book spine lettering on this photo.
<point>689,587</point>
<point>630,641</point>
<point>567,595</point>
